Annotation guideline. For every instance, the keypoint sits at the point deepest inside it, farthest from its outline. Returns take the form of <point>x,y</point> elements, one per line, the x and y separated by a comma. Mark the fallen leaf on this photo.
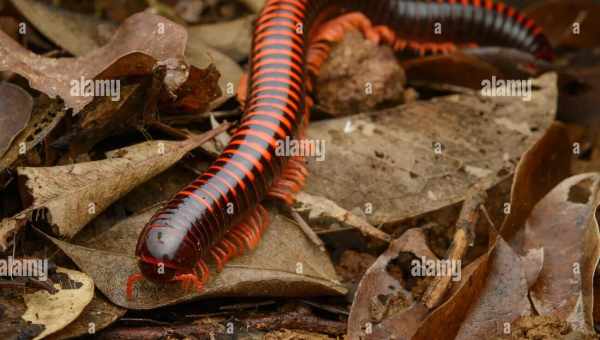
<point>397,160</point>
<point>564,224</point>
<point>270,270</point>
<point>567,23</point>
<point>540,169</point>
<point>200,55</point>
<point>457,68</point>
<point>502,300</point>
<point>381,296</point>
<point>143,41</point>
<point>70,196</point>
<point>45,116</point>
<point>232,38</point>
<point>75,32</point>
<point>97,315</point>
<point>533,179</point>
<point>55,311</point>
<point>15,110</point>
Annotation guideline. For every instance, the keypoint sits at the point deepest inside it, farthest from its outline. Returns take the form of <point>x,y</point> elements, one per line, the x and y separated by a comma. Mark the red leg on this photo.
<point>189,279</point>
<point>131,280</point>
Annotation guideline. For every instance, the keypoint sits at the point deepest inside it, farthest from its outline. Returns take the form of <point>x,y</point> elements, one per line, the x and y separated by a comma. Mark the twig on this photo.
<point>168,129</point>
<point>463,238</point>
<point>308,231</point>
<point>324,207</point>
<point>199,118</point>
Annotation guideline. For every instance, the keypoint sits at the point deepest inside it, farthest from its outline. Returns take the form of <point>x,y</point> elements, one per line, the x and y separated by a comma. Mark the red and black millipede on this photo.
<point>219,214</point>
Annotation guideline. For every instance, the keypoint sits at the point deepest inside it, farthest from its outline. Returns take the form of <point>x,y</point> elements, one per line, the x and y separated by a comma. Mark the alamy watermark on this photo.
<point>23,267</point>
<point>507,88</point>
<point>427,267</point>
<point>289,147</point>
<point>96,88</point>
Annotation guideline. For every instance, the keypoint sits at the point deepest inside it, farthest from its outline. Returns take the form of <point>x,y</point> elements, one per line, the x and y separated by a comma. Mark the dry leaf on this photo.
<point>502,300</point>
<point>200,55</point>
<point>97,315</point>
<point>411,160</point>
<point>72,195</point>
<point>143,41</point>
<point>15,110</point>
<point>564,224</point>
<point>571,23</point>
<point>270,270</point>
<point>55,311</point>
<point>75,32</point>
<point>381,297</point>
<point>45,116</point>
<point>233,38</point>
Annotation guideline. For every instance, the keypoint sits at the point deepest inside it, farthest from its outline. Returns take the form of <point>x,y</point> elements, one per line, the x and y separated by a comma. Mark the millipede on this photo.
<point>219,215</point>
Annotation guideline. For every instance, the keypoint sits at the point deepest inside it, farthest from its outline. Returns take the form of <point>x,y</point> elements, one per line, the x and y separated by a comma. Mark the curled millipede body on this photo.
<point>219,214</point>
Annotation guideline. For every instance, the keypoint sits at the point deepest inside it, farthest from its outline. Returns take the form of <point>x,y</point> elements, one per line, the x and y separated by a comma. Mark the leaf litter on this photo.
<point>418,172</point>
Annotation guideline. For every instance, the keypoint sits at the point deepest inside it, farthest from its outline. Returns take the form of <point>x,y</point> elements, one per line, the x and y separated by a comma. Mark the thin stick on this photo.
<point>310,233</point>
<point>463,238</point>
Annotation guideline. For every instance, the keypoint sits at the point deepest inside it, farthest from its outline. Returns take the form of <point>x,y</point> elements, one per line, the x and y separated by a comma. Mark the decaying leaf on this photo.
<point>285,263</point>
<point>138,45</point>
<point>416,322</point>
<point>55,311</point>
<point>503,298</point>
<point>410,160</point>
<point>201,55</point>
<point>75,32</point>
<point>230,37</point>
<point>45,116</point>
<point>564,224</point>
<point>97,315</point>
<point>381,296</point>
<point>70,196</point>
<point>15,110</point>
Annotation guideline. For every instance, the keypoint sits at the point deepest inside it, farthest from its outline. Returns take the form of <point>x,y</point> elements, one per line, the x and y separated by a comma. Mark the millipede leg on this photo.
<point>245,235</point>
<point>131,280</point>
<point>187,280</point>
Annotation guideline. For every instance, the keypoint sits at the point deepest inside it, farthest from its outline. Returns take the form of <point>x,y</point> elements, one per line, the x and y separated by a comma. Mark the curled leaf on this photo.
<point>564,224</point>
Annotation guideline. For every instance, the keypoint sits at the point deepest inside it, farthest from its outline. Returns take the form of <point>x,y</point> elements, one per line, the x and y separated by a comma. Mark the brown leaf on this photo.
<point>557,18</point>
<point>233,38</point>
<point>36,314</point>
<point>15,110</point>
<point>502,300</point>
<point>541,168</point>
<point>70,196</point>
<point>396,150</point>
<point>271,269</point>
<point>138,45</point>
<point>97,315</point>
<point>381,297</point>
<point>45,116</point>
<point>457,68</point>
<point>445,321</point>
<point>77,33</point>
<point>200,55</point>
<point>564,224</point>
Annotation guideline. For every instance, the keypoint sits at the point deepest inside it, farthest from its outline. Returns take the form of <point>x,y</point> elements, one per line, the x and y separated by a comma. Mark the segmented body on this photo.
<point>196,219</point>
